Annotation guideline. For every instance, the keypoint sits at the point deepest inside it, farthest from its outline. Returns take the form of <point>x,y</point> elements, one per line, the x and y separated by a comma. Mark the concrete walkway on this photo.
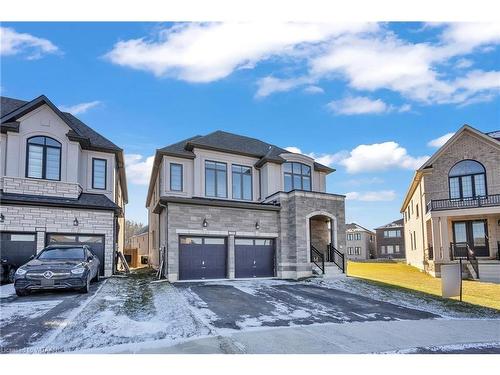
<point>356,337</point>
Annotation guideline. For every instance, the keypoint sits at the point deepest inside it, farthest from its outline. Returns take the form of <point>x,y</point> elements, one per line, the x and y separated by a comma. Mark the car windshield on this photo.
<point>70,253</point>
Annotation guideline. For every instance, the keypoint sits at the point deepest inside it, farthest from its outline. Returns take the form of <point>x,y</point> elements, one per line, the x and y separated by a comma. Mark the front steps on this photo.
<point>489,271</point>
<point>331,271</point>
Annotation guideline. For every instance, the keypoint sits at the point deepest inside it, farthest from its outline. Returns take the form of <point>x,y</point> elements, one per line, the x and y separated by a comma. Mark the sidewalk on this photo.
<point>349,338</point>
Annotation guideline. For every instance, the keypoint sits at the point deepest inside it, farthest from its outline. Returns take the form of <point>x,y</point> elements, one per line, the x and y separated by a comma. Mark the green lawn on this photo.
<point>404,276</point>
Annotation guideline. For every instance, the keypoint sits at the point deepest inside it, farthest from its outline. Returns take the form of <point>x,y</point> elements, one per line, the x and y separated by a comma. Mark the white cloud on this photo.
<point>138,168</point>
<point>380,156</point>
<point>14,43</point>
<point>372,196</point>
<point>206,52</point>
<point>80,108</point>
<point>270,85</point>
<point>312,89</point>
<point>325,159</point>
<point>361,105</point>
<point>464,63</point>
<point>440,141</point>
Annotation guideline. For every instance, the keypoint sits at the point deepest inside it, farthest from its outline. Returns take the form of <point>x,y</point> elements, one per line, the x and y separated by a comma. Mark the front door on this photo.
<point>474,233</point>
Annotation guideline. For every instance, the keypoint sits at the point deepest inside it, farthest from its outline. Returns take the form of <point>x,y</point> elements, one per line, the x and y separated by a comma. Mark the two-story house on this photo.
<point>452,207</point>
<point>360,242</point>
<point>229,206</point>
<point>60,183</point>
<point>390,239</point>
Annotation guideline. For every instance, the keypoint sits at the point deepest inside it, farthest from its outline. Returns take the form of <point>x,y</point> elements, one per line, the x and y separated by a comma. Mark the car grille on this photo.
<point>57,275</point>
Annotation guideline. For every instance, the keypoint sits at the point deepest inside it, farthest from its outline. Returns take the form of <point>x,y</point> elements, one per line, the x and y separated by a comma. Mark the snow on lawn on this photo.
<point>448,309</point>
<point>129,310</point>
<point>7,290</point>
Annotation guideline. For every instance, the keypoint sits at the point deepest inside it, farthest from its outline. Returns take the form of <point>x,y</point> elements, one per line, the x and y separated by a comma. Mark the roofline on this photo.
<point>394,226</point>
<point>354,223</point>
<point>197,201</point>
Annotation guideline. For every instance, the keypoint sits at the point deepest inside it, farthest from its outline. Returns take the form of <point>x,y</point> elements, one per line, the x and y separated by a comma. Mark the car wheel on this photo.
<point>22,292</point>
<point>86,288</point>
<point>12,273</point>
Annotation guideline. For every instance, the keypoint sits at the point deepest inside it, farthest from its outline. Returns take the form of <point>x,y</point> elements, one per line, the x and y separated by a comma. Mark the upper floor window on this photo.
<point>349,237</point>
<point>215,179</point>
<point>392,233</point>
<point>297,176</point>
<point>99,167</point>
<point>176,177</point>
<point>242,182</point>
<point>467,179</point>
<point>43,158</point>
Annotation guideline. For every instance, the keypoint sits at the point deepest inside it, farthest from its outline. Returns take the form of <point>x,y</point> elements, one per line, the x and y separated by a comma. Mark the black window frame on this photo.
<point>241,174</point>
<point>182,176</point>
<point>44,157</point>
<point>292,174</point>
<point>473,181</point>
<point>215,179</point>
<point>105,174</point>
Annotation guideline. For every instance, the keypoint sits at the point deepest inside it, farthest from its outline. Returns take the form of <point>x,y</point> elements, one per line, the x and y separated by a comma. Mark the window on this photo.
<point>382,250</point>
<point>43,158</point>
<point>357,236</point>
<point>357,251</point>
<point>349,237</point>
<point>417,211</point>
<point>215,179</point>
<point>242,182</point>
<point>297,176</point>
<point>99,173</point>
<point>396,248</point>
<point>392,233</point>
<point>467,179</point>
<point>349,251</point>
<point>390,249</point>
<point>176,172</point>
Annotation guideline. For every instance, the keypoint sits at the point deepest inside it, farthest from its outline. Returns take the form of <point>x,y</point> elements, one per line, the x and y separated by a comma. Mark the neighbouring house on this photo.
<point>137,248</point>
<point>360,242</point>
<point>229,206</point>
<point>390,239</point>
<point>60,183</point>
<point>452,207</point>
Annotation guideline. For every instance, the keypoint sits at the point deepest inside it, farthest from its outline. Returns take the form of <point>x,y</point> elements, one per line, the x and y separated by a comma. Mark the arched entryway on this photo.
<point>321,231</point>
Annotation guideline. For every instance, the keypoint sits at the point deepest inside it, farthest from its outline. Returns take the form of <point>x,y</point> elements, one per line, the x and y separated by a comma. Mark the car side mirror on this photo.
<point>89,258</point>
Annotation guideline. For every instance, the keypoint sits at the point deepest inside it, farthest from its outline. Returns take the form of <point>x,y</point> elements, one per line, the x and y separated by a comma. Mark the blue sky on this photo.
<point>364,98</point>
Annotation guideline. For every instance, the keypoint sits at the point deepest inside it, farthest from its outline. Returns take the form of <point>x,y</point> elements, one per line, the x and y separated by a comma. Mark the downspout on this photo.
<point>164,249</point>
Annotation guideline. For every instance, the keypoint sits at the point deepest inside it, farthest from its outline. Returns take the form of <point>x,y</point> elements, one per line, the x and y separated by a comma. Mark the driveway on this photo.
<point>24,320</point>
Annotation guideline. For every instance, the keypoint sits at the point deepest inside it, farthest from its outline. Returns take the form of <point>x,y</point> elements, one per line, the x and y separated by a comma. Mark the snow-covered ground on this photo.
<point>7,290</point>
<point>127,311</point>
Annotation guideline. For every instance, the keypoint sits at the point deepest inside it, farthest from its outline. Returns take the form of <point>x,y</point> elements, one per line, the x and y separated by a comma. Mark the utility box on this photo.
<point>451,280</point>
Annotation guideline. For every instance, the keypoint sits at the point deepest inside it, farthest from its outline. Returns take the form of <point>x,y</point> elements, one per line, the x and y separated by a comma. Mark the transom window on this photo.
<point>467,179</point>
<point>297,176</point>
<point>99,173</point>
<point>215,179</point>
<point>43,158</point>
<point>242,182</point>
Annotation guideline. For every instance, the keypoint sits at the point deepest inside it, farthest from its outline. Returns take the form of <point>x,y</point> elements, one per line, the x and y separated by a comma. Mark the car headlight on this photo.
<point>21,272</point>
<point>78,270</point>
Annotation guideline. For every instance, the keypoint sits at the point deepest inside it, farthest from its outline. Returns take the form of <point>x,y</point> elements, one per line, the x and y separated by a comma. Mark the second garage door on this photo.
<point>254,257</point>
<point>17,248</point>
<point>202,258</point>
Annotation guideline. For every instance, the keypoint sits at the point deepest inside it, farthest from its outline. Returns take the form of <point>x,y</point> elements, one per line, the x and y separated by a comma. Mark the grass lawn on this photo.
<point>408,277</point>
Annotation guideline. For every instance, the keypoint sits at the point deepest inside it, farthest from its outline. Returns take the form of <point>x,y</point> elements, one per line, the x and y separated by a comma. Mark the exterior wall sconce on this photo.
<point>2,218</point>
<point>75,222</point>
<point>257,225</point>
<point>205,223</point>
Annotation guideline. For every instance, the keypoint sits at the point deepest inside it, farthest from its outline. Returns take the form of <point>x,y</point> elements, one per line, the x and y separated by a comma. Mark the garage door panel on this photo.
<point>202,258</point>
<point>254,258</point>
<point>17,247</point>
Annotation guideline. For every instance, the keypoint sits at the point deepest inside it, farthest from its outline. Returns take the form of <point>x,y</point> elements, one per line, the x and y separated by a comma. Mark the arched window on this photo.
<point>43,158</point>
<point>297,176</point>
<point>467,179</point>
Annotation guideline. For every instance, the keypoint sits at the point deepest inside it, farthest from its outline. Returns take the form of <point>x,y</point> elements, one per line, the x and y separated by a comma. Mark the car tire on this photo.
<point>97,277</point>
<point>86,288</point>
<point>22,292</point>
<point>11,274</point>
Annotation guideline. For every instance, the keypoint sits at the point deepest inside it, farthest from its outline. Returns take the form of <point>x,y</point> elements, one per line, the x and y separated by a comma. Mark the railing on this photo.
<point>462,250</point>
<point>318,258</point>
<point>336,257</point>
<point>452,204</point>
<point>498,250</point>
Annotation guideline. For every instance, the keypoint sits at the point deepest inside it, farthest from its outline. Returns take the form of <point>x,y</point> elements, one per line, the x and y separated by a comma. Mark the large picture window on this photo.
<point>99,173</point>
<point>467,179</point>
<point>43,158</point>
<point>297,176</point>
<point>242,182</point>
<point>215,179</point>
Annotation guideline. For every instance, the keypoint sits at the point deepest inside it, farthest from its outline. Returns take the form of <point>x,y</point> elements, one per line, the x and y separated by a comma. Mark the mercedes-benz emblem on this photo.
<point>48,274</point>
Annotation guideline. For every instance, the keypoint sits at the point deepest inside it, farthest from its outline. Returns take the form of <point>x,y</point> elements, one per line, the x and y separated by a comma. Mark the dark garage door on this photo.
<point>202,258</point>
<point>95,242</point>
<point>17,247</point>
<point>254,257</point>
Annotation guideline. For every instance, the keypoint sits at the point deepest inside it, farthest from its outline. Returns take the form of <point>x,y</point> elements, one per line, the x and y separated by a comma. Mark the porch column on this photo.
<point>445,238</point>
<point>230,255</point>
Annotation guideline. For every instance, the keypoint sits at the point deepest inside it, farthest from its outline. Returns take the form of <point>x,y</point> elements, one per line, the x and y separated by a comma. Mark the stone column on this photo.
<point>40,239</point>
<point>445,238</point>
<point>436,238</point>
<point>230,255</point>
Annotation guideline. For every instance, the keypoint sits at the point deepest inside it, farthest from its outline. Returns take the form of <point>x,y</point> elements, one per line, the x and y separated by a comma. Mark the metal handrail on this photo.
<point>473,202</point>
<point>465,252</point>
<point>336,257</point>
<point>318,257</point>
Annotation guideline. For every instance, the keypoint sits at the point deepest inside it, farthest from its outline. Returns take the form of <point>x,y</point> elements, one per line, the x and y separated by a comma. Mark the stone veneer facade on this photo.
<point>286,223</point>
<point>43,220</point>
<point>30,186</point>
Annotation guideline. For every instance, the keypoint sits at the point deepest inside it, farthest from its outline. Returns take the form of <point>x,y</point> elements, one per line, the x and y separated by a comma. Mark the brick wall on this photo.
<point>40,187</point>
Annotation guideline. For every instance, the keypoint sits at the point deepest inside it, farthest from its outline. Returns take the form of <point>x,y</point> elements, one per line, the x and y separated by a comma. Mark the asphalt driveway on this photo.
<point>239,305</point>
<point>24,320</point>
